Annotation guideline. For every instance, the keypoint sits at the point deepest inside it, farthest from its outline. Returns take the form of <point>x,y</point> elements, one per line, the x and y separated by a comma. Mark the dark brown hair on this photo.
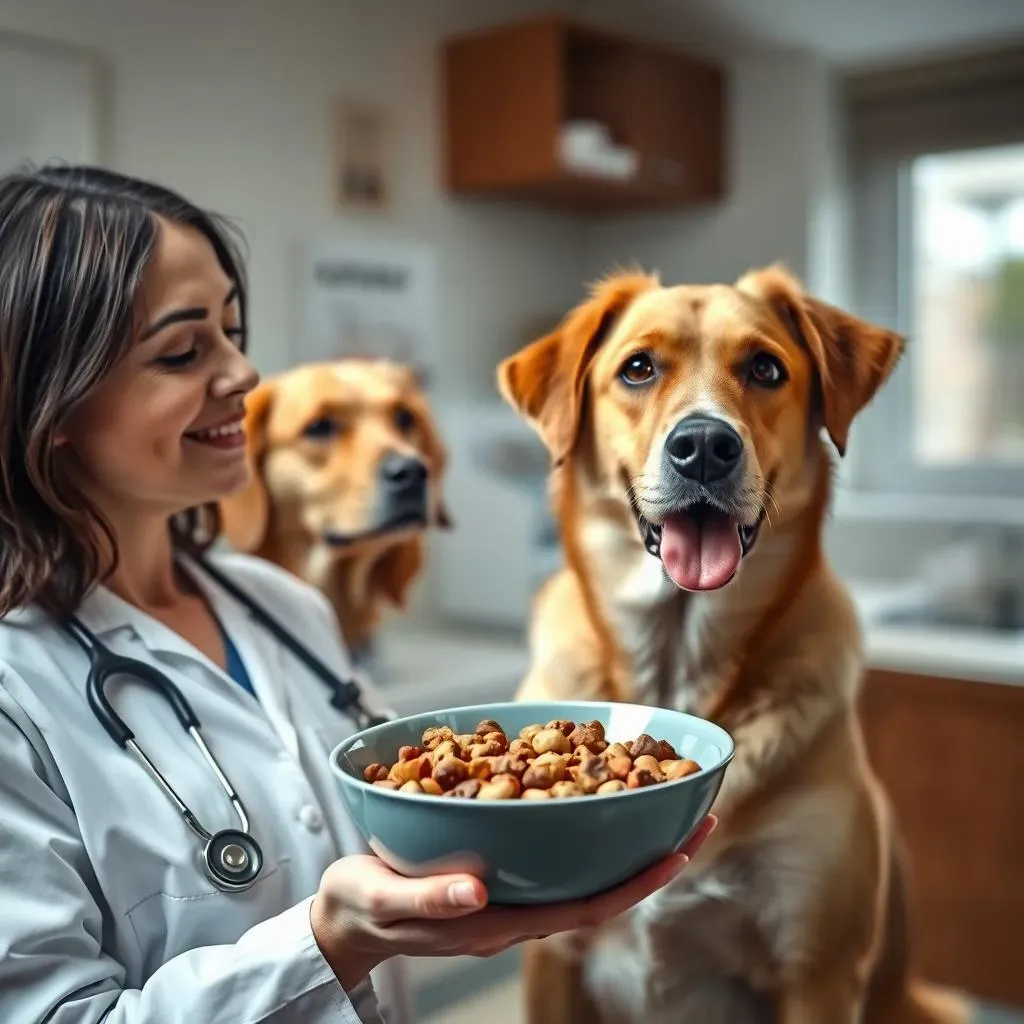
<point>74,242</point>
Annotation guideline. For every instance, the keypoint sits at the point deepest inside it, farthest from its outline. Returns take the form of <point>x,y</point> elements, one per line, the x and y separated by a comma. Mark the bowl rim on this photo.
<point>727,744</point>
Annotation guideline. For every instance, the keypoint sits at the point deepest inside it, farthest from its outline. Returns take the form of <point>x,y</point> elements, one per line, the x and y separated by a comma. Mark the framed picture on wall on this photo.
<point>360,169</point>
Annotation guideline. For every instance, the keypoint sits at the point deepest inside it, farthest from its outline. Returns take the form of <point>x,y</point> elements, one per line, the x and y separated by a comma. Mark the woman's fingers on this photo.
<point>586,913</point>
<point>385,897</point>
<point>595,909</point>
<point>707,826</point>
<point>606,905</point>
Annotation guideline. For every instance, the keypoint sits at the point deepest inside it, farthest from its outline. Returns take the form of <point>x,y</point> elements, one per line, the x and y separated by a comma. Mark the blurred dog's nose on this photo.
<point>704,449</point>
<point>402,472</point>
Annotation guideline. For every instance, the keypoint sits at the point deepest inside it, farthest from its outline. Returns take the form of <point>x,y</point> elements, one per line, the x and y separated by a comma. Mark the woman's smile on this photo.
<point>228,435</point>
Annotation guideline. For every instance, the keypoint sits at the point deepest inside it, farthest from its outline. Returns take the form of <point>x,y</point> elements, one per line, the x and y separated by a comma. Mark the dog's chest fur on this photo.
<point>742,910</point>
<point>680,646</point>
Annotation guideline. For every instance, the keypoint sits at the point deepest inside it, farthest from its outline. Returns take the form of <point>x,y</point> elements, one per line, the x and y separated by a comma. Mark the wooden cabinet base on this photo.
<point>950,753</point>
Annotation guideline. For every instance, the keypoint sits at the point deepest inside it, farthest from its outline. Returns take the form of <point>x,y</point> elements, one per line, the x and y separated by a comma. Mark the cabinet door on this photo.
<point>950,753</point>
<point>503,103</point>
<point>669,108</point>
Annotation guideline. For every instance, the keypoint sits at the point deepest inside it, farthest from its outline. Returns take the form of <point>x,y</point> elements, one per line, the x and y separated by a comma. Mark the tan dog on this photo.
<point>690,483</point>
<point>347,475</point>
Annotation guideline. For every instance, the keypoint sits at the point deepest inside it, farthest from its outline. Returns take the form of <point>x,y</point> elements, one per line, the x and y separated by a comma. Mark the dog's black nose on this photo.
<point>704,449</point>
<point>402,472</point>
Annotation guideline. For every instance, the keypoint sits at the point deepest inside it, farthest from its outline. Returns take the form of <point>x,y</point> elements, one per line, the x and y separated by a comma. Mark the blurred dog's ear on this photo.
<point>544,382</point>
<point>246,514</point>
<point>853,358</point>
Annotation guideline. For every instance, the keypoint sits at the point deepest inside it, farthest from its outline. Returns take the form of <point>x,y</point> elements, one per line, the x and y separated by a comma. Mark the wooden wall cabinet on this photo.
<point>507,92</point>
<point>950,753</point>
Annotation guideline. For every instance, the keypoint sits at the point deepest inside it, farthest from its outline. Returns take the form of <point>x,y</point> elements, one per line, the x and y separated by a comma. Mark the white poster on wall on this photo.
<point>371,298</point>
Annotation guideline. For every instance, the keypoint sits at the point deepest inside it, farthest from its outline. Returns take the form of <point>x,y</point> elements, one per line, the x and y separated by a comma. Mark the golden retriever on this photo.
<point>690,481</point>
<point>348,469</point>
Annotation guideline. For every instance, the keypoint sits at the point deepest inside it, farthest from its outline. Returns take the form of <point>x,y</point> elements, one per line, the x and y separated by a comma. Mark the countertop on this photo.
<point>984,655</point>
<point>420,669</point>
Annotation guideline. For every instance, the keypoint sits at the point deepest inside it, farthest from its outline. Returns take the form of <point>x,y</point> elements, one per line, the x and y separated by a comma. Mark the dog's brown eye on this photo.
<point>404,419</point>
<point>766,370</point>
<point>321,429</point>
<point>638,369</point>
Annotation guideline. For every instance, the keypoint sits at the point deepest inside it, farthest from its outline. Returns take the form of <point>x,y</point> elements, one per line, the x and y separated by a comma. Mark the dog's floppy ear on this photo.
<point>853,358</point>
<point>545,381</point>
<point>245,515</point>
<point>393,575</point>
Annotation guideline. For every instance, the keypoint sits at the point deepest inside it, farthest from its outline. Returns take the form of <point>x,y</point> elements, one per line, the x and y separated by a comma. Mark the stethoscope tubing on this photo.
<point>231,858</point>
<point>104,664</point>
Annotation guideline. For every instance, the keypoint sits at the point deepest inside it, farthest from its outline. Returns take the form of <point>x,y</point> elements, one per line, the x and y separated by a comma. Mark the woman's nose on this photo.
<point>236,376</point>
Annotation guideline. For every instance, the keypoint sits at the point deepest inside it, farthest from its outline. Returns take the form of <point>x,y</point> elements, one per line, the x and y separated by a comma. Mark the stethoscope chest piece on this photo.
<point>232,859</point>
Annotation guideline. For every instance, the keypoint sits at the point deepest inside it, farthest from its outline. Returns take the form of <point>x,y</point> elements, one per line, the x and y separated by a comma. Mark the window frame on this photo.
<point>882,272</point>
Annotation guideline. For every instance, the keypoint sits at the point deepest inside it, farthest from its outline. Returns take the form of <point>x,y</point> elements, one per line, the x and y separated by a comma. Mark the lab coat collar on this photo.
<point>106,614</point>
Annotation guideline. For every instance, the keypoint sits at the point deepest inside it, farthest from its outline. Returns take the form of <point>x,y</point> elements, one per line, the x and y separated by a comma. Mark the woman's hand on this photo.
<point>365,913</point>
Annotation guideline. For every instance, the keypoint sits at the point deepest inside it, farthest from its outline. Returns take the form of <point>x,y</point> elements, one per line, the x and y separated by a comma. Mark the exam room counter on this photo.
<point>422,669</point>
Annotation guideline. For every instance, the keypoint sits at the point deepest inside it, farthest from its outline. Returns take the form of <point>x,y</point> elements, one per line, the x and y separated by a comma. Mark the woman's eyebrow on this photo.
<point>190,313</point>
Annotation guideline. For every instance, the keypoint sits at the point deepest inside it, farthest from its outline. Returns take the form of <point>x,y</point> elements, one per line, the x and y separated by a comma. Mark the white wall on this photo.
<point>227,101</point>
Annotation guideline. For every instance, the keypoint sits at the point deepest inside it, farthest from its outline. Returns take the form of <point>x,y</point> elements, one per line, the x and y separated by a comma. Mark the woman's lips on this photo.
<point>228,435</point>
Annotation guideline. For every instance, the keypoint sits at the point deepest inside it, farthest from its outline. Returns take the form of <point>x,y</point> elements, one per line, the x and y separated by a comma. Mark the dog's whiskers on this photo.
<point>770,497</point>
<point>645,500</point>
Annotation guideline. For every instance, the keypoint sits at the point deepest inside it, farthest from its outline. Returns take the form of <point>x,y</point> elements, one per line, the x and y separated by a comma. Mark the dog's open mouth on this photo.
<point>700,546</point>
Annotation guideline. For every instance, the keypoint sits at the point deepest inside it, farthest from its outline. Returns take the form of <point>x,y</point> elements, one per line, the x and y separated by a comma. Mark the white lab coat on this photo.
<point>105,913</point>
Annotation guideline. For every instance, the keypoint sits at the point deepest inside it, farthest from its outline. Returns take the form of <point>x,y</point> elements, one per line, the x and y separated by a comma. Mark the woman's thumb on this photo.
<point>441,896</point>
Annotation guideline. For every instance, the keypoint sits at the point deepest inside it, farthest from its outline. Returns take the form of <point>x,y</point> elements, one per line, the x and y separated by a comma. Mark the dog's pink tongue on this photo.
<point>700,553</point>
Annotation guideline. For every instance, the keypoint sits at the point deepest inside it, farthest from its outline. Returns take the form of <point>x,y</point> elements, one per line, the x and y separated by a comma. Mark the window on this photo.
<point>967,307</point>
<point>936,162</point>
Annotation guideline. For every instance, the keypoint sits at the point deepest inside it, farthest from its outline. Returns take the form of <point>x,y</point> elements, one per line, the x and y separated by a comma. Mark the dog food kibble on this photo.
<point>433,738</point>
<point>544,762</point>
<point>551,740</point>
<point>677,769</point>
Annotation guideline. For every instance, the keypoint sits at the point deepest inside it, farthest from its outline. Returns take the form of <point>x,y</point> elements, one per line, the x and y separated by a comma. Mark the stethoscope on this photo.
<point>231,858</point>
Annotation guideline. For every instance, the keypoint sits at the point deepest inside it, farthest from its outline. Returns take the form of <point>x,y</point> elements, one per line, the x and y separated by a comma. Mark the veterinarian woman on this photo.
<point>122,379</point>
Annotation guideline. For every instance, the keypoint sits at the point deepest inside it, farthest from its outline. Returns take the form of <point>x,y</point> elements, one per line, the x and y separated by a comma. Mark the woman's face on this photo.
<point>163,432</point>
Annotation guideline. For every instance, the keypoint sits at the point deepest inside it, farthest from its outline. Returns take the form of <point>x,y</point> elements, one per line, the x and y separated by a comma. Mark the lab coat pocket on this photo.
<point>167,924</point>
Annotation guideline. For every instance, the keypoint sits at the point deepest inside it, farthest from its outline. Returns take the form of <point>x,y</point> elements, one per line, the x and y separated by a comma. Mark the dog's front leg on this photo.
<point>553,985</point>
<point>827,999</point>
<point>770,742</point>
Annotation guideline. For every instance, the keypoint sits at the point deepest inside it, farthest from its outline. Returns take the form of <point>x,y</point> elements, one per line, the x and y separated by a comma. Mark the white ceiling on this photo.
<point>850,32</point>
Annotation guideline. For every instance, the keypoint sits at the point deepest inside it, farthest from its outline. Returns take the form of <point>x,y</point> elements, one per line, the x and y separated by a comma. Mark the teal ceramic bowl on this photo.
<point>541,851</point>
